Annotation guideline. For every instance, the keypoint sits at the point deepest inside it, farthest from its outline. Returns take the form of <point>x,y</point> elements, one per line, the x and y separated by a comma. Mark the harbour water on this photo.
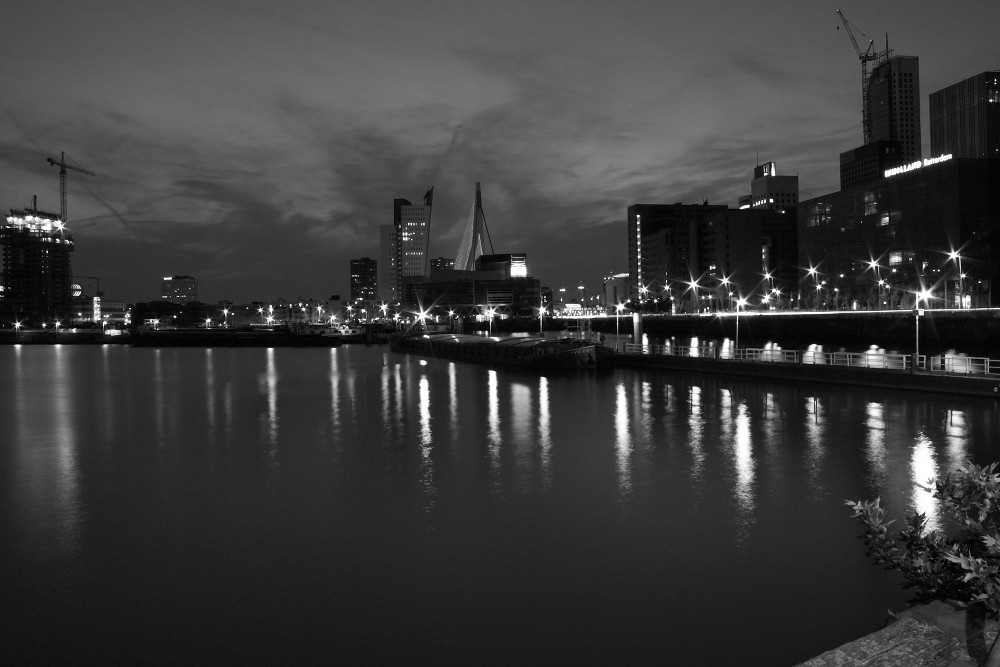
<point>355,505</point>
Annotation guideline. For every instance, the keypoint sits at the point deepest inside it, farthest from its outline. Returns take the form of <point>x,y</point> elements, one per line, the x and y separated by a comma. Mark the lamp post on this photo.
<point>17,331</point>
<point>618,314</point>
<point>694,290</point>
<point>873,265</point>
<point>917,312</point>
<point>739,303</point>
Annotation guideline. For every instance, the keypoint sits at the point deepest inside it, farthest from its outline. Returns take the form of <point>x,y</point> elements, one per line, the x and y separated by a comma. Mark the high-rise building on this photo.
<point>666,246</point>
<point>364,279</point>
<point>965,118</point>
<point>404,249</point>
<point>388,285</point>
<point>35,283</point>
<point>894,105</point>
<point>179,289</point>
<point>768,190</point>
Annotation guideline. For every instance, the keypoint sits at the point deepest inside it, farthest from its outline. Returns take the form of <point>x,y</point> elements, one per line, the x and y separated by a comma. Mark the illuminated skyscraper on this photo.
<point>404,246</point>
<point>965,118</point>
<point>35,284</point>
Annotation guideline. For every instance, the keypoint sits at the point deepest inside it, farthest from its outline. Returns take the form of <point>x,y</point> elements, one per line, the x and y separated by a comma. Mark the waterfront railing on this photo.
<point>946,363</point>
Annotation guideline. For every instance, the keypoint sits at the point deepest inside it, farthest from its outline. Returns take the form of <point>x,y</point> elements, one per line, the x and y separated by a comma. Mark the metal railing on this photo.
<point>950,364</point>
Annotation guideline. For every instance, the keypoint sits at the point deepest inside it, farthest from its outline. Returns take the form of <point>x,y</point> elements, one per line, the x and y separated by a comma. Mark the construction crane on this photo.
<point>866,56</point>
<point>62,181</point>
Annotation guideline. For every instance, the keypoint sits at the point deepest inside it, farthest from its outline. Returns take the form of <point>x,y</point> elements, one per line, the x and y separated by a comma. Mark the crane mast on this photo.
<point>866,56</point>
<point>62,181</point>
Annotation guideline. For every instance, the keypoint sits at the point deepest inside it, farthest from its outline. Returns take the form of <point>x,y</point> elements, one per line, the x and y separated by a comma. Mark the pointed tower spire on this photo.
<point>472,241</point>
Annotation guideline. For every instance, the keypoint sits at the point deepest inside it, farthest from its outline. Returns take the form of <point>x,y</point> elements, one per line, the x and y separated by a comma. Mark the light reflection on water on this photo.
<point>433,494</point>
<point>623,444</point>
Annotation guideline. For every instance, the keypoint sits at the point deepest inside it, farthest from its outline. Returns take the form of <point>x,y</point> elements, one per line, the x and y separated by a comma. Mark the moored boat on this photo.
<point>523,352</point>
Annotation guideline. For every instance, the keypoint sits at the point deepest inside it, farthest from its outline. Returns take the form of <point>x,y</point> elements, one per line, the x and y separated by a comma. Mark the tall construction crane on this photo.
<point>866,56</point>
<point>62,180</point>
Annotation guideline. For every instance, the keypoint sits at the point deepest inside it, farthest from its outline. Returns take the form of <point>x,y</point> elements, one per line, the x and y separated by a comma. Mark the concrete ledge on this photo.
<point>906,643</point>
<point>935,633</point>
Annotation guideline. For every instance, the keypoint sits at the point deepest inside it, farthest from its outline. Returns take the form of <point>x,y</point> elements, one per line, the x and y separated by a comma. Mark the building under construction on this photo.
<point>36,279</point>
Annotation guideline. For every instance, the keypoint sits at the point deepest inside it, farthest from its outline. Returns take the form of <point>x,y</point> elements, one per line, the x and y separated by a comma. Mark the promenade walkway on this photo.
<point>950,373</point>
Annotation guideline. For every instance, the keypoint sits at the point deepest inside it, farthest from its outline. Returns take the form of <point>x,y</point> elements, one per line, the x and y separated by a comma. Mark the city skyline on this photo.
<point>259,149</point>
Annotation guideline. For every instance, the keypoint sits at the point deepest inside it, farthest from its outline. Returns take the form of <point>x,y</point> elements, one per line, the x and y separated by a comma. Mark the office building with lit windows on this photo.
<point>36,278</point>
<point>927,225</point>
<point>768,190</point>
<point>965,118</point>
<point>179,289</point>
<point>698,257</point>
<point>364,279</point>
<point>404,246</point>
<point>668,245</point>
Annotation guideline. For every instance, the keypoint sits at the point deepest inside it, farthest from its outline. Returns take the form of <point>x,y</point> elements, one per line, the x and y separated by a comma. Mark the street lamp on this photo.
<point>618,313</point>
<point>961,277</point>
<point>739,303</point>
<point>694,290</point>
<point>873,265</point>
<point>17,331</point>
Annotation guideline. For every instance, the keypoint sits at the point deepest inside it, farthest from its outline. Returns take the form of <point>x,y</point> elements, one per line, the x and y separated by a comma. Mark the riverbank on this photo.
<point>972,332</point>
<point>794,370</point>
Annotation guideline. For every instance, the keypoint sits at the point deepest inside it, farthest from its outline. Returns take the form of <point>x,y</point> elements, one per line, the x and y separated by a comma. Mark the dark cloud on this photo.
<point>260,148</point>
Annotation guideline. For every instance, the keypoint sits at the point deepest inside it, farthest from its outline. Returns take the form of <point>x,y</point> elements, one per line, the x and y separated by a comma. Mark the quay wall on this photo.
<point>973,332</point>
<point>950,383</point>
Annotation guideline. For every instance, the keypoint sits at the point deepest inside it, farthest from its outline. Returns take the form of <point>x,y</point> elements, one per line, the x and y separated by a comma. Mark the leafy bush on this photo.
<point>962,565</point>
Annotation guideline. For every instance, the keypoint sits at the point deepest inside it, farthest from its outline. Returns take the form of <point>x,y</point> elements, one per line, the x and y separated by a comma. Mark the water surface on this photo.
<point>357,505</point>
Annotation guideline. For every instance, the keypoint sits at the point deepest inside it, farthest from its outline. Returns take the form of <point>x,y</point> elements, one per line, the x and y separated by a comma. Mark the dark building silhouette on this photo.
<point>668,246</point>
<point>697,257</point>
<point>921,228</point>
<point>364,279</point>
<point>754,257</point>
<point>36,280</point>
<point>179,289</point>
<point>894,105</point>
<point>965,118</point>
<point>867,164</point>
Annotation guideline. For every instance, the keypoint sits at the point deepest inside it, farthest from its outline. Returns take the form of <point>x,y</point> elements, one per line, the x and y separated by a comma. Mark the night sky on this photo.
<point>258,146</point>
